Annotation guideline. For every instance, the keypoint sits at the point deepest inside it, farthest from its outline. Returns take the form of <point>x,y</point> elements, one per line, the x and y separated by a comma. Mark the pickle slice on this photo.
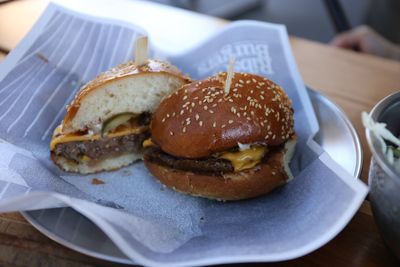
<point>116,121</point>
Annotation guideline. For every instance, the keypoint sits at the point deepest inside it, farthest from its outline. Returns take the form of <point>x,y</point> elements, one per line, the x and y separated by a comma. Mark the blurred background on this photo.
<point>311,19</point>
<point>318,20</point>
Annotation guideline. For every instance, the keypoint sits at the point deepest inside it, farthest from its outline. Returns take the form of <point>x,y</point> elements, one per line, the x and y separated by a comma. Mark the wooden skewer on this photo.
<point>229,75</point>
<point>141,50</point>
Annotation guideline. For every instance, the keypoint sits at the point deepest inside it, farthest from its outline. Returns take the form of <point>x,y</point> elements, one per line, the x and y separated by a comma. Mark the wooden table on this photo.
<point>355,82</point>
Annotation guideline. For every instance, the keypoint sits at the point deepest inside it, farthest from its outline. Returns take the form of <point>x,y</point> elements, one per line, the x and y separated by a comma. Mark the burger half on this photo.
<point>107,122</point>
<point>226,146</point>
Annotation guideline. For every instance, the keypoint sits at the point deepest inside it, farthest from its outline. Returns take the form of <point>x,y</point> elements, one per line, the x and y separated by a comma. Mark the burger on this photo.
<point>108,120</point>
<point>233,145</point>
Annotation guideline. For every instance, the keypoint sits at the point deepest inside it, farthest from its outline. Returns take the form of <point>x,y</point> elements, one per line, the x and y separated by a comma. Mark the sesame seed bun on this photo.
<point>199,120</point>
<point>272,173</point>
<point>124,88</point>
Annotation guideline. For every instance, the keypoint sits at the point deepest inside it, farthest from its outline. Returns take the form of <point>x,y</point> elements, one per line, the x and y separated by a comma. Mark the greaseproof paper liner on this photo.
<point>151,224</point>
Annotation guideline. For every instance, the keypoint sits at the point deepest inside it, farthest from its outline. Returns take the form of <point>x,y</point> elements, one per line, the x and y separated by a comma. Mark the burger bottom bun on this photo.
<point>88,167</point>
<point>250,183</point>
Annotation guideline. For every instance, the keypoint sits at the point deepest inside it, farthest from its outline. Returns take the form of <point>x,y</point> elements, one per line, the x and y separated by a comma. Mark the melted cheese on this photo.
<point>148,143</point>
<point>245,159</point>
<point>73,137</point>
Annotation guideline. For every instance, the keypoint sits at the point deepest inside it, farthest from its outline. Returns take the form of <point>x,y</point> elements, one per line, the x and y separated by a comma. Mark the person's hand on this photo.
<point>366,40</point>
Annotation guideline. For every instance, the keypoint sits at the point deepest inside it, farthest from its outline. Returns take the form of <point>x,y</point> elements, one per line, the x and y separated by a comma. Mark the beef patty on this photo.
<point>107,147</point>
<point>102,148</point>
<point>210,165</point>
<point>207,165</point>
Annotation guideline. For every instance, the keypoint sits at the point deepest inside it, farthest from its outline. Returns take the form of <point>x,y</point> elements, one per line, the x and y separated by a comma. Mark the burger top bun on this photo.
<point>125,88</point>
<point>199,119</point>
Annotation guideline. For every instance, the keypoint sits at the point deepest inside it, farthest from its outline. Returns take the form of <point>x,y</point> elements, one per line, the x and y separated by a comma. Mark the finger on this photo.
<point>346,40</point>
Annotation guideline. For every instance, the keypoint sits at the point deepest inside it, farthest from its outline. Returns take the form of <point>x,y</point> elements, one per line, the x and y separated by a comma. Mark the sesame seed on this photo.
<point>163,120</point>
<point>197,117</point>
<point>230,121</point>
<point>182,111</point>
<point>205,107</point>
<point>241,81</point>
<point>214,124</point>
<point>211,111</point>
<point>223,126</point>
<point>184,129</point>
<point>201,123</point>
<point>184,97</point>
<point>171,133</point>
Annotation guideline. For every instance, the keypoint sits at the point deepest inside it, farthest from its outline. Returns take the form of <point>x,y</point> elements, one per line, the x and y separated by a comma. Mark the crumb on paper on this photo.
<point>96,181</point>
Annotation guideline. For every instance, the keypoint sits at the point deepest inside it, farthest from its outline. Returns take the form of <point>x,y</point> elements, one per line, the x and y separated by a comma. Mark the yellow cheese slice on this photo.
<point>148,143</point>
<point>73,137</point>
<point>245,159</point>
